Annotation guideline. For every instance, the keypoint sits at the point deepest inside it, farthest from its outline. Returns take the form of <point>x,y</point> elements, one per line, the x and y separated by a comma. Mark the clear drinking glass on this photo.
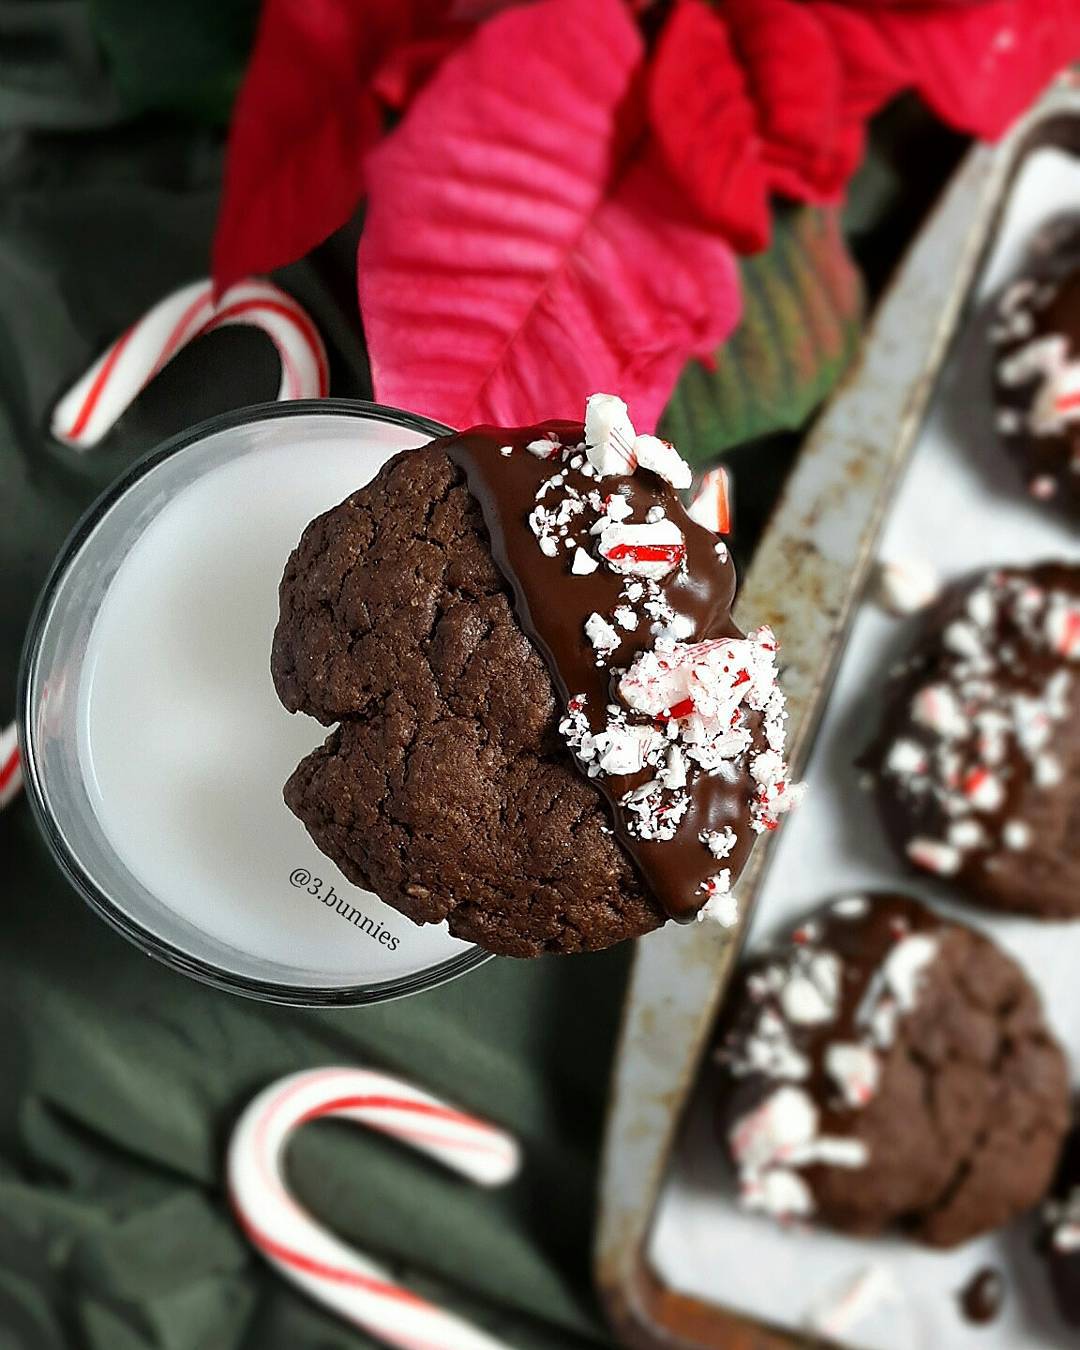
<point>154,746</point>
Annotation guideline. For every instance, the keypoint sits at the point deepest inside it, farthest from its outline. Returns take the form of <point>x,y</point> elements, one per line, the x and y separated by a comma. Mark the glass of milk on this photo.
<point>154,745</point>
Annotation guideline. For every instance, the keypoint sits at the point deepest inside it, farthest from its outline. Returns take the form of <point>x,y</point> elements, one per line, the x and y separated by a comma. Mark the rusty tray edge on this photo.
<point>811,565</point>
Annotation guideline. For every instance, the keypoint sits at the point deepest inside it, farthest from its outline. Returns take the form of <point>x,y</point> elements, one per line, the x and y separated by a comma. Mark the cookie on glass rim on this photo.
<point>884,1067</point>
<point>976,769</point>
<point>550,733</point>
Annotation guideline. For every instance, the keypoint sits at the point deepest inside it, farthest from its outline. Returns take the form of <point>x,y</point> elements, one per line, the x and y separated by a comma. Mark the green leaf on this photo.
<point>187,58</point>
<point>802,310</point>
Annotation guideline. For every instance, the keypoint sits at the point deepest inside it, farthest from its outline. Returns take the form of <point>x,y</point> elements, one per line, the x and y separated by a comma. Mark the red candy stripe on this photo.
<point>293,1241</point>
<point>93,405</point>
<point>672,553</point>
<point>11,776</point>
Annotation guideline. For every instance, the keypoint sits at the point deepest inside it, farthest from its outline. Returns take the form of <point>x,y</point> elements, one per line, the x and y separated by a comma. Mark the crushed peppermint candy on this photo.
<point>858,1298</point>
<point>711,505</point>
<point>609,435</point>
<point>1037,377</point>
<point>855,1069</point>
<point>662,458</point>
<point>979,731</point>
<point>651,549</point>
<point>906,585</point>
<point>811,992</point>
<point>601,502</point>
<point>821,1011</point>
<point>721,907</point>
<point>719,842</point>
<point>894,987</point>
<point>1016,834</point>
<point>583,563</point>
<point>776,1138</point>
<point>614,447</point>
<point>602,635</point>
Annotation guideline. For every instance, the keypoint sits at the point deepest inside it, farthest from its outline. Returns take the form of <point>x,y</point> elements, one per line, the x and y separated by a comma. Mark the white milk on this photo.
<point>184,745</point>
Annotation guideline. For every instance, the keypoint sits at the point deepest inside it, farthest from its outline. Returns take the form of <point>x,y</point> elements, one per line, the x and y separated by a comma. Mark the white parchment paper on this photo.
<point>961,506</point>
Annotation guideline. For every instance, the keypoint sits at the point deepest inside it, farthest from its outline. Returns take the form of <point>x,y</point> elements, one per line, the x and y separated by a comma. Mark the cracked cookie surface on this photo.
<point>887,1067</point>
<point>446,788</point>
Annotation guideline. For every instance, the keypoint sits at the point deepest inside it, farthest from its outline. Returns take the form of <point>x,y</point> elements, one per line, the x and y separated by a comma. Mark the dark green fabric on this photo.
<point>118,1079</point>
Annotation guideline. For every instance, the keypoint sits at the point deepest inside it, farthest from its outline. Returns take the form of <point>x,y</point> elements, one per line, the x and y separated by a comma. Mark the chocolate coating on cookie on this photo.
<point>977,766</point>
<point>885,1067</point>
<point>1036,337</point>
<point>636,646</point>
<point>552,735</point>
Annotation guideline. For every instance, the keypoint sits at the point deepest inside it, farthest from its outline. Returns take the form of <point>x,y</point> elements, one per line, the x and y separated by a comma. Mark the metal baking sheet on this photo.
<point>807,579</point>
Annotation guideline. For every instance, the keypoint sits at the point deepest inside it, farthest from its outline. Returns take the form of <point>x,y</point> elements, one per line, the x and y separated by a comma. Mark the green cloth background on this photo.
<point>119,1080</point>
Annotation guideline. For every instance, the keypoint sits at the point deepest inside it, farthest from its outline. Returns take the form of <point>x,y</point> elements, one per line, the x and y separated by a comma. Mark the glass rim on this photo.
<point>266,991</point>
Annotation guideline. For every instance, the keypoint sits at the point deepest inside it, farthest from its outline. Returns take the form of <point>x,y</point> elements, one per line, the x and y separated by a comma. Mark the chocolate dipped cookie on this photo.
<point>885,1067</point>
<point>1036,339</point>
<point>976,768</point>
<point>549,732</point>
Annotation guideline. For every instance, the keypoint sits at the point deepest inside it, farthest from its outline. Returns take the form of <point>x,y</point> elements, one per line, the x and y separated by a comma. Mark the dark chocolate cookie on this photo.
<point>977,766</point>
<point>886,1067</point>
<point>551,735</point>
<point>1036,337</point>
<point>446,789</point>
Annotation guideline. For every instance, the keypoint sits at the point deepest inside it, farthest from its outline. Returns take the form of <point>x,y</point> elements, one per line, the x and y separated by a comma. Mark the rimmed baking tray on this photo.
<point>806,580</point>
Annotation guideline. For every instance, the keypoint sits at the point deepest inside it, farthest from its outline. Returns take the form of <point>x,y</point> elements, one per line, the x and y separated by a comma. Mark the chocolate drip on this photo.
<point>981,1298</point>
<point>552,605</point>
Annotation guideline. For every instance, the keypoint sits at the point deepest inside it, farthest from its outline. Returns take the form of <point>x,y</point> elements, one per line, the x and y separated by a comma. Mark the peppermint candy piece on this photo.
<point>651,551</point>
<point>663,459</point>
<point>983,789</point>
<point>583,564</point>
<point>937,708</point>
<point>935,856</point>
<point>609,435</point>
<point>906,585</point>
<point>602,635</point>
<point>1063,627</point>
<point>721,907</point>
<point>711,507</point>
<point>855,1069</point>
<point>545,448</point>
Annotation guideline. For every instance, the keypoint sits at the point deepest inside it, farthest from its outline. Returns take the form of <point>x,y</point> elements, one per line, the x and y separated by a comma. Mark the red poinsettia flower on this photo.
<point>308,113</point>
<point>522,244</point>
<point>752,97</point>
<point>557,208</point>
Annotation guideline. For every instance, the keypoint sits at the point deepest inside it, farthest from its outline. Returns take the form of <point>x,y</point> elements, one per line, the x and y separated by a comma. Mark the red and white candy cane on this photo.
<point>322,1265</point>
<point>91,407</point>
<point>711,505</point>
<point>10,765</point>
